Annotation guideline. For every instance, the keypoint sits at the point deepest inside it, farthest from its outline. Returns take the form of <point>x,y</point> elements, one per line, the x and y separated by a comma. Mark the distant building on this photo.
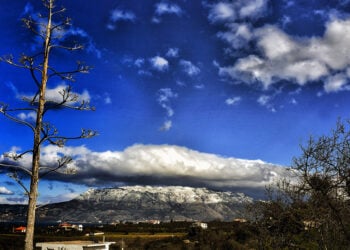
<point>154,222</point>
<point>20,229</point>
<point>240,220</point>
<point>69,227</point>
<point>74,245</point>
<point>200,225</point>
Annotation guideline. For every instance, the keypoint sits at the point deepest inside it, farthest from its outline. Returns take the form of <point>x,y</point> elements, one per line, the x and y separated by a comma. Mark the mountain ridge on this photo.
<point>142,203</point>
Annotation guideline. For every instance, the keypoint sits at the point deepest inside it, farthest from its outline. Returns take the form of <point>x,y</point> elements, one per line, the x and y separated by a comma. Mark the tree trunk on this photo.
<point>33,192</point>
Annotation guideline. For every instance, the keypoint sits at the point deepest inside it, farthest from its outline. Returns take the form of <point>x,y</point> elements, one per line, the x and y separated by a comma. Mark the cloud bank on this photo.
<point>297,59</point>
<point>161,165</point>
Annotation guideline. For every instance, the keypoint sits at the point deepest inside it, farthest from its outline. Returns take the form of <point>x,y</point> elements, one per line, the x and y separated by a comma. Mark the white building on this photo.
<point>200,225</point>
<point>73,245</point>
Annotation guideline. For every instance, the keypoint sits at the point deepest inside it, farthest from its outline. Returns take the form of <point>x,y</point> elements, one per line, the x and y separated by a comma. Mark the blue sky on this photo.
<point>184,89</point>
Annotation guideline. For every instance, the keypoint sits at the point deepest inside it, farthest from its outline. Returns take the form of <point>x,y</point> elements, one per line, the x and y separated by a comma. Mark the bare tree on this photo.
<point>49,28</point>
<point>324,169</point>
<point>315,203</point>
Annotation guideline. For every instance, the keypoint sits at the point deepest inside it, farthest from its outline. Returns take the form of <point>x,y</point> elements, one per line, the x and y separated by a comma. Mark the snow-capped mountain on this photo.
<point>171,194</point>
<point>142,203</point>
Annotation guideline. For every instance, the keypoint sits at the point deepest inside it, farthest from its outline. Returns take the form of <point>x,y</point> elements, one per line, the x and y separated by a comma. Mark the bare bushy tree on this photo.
<point>312,208</point>
<point>324,169</point>
<point>49,28</point>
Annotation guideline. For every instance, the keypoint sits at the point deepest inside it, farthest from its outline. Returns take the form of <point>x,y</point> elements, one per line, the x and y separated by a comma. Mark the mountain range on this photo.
<point>138,203</point>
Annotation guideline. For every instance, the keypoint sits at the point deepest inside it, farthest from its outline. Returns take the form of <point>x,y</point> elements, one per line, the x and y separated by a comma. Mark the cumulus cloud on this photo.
<point>159,63</point>
<point>163,8</point>
<point>4,190</point>
<point>172,52</point>
<point>118,15</point>
<point>233,100</point>
<point>166,125</point>
<point>222,11</point>
<point>189,68</point>
<point>237,35</point>
<point>237,10</point>
<point>300,60</point>
<point>336,83</point>
<point>30,116</point>
<point>163,165</point>
<point>252,8</point>
<point>238,18</point>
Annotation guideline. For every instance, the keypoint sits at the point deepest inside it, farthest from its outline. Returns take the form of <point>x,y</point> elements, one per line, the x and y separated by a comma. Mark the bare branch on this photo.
<point>30,24</point>
<point>60,141</point>
<point>59,11</point>
<point>4,112</point>
<point>15,156</point>
<point>76,47</point>
<point>14,166</point>
<point>64,161</point>
<point>15,177</point>
<point>68,75</point>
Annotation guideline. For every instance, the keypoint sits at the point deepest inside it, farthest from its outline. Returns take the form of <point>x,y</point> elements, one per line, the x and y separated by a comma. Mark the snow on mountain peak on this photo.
<point>175,194</point>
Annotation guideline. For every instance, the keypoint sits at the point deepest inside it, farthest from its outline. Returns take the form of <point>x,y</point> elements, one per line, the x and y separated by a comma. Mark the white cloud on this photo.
<point>265,101</point>
<point>118,15</point>
<point>165,96</point>
<point>30,116</point>
<point>172,52</point>
<point>139,62</point>
<point>55,96</point>
<point>252,8</point>
<point>163,8</point>
<point>336,83</point>
<point>4,190</point>
<point>163,164</point>
<point>222,12</point>
<point>166,125</point>
<point>159,63</point>
<point>301,60</point>
<point>237,36</point>
<point>233,100</point>
<point>237,10</point>
<point>189,68</point>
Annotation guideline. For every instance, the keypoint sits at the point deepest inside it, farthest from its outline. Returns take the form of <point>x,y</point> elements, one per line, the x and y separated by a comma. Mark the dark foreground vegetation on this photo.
<point>286,233</point>
<point>171,235</point>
